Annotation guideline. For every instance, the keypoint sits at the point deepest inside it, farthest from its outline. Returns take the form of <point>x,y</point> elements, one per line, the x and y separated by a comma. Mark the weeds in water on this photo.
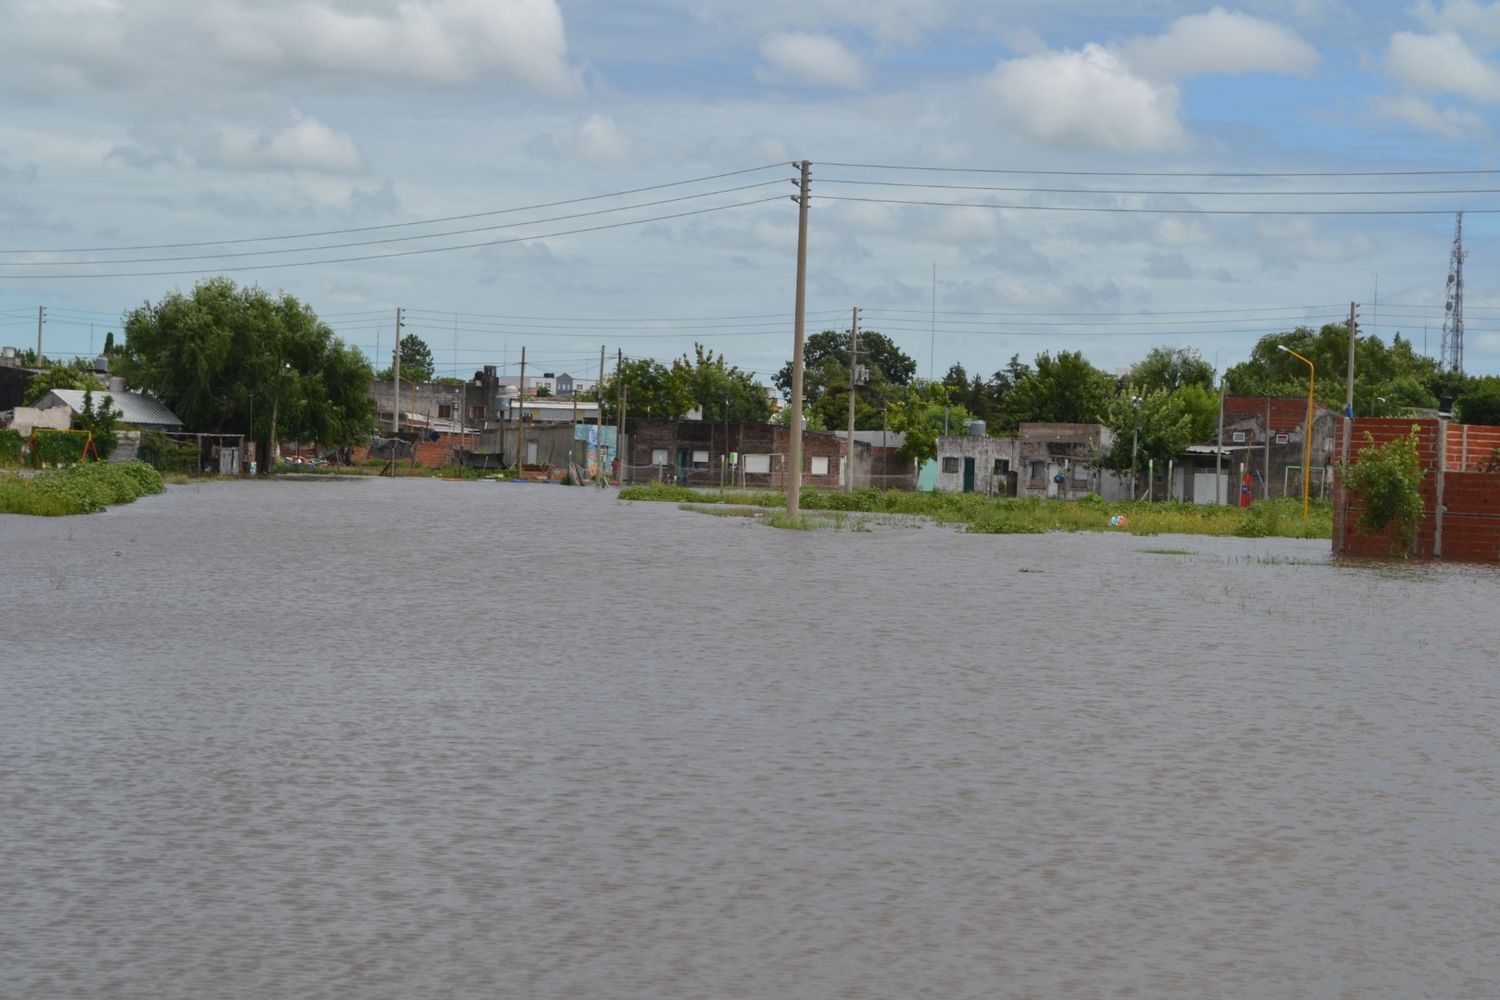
<point>1168,552</point>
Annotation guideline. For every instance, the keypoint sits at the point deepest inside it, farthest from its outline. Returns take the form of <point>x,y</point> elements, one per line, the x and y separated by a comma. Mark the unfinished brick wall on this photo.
<point>1470,521</point>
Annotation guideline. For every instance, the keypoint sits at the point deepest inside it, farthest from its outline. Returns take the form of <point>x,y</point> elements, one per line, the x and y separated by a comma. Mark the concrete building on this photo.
<point>137,411</point>
<point>707,453</point>
<point>1268,435</point>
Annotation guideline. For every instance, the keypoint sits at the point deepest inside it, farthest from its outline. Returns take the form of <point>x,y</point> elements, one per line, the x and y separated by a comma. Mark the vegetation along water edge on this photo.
<point>78,489</point>
<point>1007,515</point>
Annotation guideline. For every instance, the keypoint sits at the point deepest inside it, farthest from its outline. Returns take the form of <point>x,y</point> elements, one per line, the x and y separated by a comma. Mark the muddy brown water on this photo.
<point>421,739</point>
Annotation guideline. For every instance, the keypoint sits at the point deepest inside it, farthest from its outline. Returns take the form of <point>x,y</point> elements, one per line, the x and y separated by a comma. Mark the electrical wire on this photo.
<point>399,225</point>
<point>1160,173</point>
<point>409,253</point>
<point>1160,211</point>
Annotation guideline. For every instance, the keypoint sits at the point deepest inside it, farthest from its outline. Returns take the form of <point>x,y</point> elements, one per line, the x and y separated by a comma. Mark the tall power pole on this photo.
<point>521,411</point>
<point>794,451</point>
<point>396,369</point>
<point>1452,358</point>
<point>853,378</point>
<point>41,317</point>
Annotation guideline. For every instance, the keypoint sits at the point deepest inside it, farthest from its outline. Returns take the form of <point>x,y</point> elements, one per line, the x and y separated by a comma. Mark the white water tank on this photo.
<point>976,428</point>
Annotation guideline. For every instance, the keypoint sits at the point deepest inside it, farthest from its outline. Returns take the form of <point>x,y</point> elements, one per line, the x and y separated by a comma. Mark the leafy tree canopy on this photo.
<point>924,412</point>
<point>825,366</point>
<point>59,377</point>
<point>1481,403</point>
<point>1171,368</point>
<point>711,384</point>
<point>416,359</point>
<point>1065,390</point>
<point>227,359</point>
<point>1157,425</point>
<point>652,391</point>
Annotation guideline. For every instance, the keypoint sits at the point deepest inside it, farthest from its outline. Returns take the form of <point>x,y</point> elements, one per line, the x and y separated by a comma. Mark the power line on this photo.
<point>1148,191</point>
<point>399,225</point>
<point>1161,211</point>
<point>381,242</point>
<point>1017,172</point>
<point>409,253</point>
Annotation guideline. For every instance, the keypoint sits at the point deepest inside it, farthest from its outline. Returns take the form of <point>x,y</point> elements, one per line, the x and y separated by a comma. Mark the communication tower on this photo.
<point>1452,358</point>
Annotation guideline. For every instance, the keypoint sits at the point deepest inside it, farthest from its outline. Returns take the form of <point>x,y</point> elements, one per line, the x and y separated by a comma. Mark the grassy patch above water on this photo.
<point>79,489</point>
<point>990,515</point>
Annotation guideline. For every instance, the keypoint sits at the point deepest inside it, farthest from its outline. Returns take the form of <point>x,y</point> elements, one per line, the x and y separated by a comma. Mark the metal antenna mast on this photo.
<point>1452,358</point>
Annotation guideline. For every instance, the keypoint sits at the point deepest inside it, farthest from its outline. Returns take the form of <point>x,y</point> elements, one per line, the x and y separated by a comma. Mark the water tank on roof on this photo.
<point>116,384</point>
<point>976,428</point>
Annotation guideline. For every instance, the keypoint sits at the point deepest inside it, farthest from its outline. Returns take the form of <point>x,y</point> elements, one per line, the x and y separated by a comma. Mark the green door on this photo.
<point>968,475</point>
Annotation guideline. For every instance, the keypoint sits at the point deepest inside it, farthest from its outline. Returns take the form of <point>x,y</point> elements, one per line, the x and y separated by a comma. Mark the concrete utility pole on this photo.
<point>41,317</point>
<point>396,369</point>
<point>620,413</point>
<point>521,410</point>
<point>1342,497</point>
<point>853,369</point>
<point>794,451</point>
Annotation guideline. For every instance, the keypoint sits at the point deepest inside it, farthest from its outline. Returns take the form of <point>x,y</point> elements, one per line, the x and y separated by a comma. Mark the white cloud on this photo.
<point>1450,123</point>
<point>1220,41</point>
<point>306,144</point>
<point>819,60</point>
<point>900,22</point>
<point>600,141</point>
<point>1479,22</point>
<point>1086,100</point>
<point>438,42</point>
<point>1441,63</point>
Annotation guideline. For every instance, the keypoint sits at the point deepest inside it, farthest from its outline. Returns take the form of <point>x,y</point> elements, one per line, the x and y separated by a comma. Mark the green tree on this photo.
<point>825,367</point>
<point>57,377</point>
<point>1481,403</point>
<point>1171,368</point>
<point>1158,425</point>
<point>238,360</point>
<point>652,391</point>
<point>711,384</point>
<point>1387,479</point>
<point>1062,390</point>
<point>102,422</point>
<point>416,359</point>
<point>924,412</point>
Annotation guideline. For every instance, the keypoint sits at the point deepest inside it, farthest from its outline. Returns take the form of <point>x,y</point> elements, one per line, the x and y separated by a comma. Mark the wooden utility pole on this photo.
<point>794,451</point>
<point>853,370</point>
<point>521,411</point>
<point>41,317</point>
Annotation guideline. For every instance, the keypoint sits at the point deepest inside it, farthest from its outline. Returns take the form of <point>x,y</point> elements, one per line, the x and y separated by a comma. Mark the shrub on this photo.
<point>11,442</point>
<point>1387,479</point>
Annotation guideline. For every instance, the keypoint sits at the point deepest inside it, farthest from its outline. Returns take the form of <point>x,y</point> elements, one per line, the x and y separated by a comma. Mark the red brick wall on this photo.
<point>1471,520</point>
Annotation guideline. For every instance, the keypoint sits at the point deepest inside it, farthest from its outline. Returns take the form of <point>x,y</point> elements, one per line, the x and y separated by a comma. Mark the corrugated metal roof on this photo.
<point>133,407</point>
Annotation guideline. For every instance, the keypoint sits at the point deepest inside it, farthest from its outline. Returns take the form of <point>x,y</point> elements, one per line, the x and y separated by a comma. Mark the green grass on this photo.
<point>986,515</point>
<point>80,489</point>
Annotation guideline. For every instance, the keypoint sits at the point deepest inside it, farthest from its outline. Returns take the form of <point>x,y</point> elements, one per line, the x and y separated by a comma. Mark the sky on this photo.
<point>988,179</point>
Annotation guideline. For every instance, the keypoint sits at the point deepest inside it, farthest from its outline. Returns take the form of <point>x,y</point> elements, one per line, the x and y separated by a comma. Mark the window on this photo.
<point>700,459</point>
<point>658,456</point>
<point>952,464</point>
<point>1238,437</point>
<point>1080,473</point>
<point>820,465</point>
<point>445,411</point>
<point>1283,438</point>
<point>1038,471</point>
<point>758,465</point>
<point>1002,466</point>
<point>476,413</point>
<point>386,416</point>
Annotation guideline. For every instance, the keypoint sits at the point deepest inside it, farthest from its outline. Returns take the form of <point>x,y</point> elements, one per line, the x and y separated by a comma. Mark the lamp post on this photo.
<point>724,467</point>
<point>1135,440</point>
<point>1374,407</point>
<point>1312,375</point>
<point>271,452</point>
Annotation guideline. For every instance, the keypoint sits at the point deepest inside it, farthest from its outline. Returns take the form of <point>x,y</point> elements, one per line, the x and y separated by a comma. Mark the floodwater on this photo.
<point>374,739</point>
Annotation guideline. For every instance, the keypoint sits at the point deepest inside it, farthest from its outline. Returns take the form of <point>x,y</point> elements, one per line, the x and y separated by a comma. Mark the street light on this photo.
<point>1312,375</point>
<point>1135,440</point>
<point>1373,407</point>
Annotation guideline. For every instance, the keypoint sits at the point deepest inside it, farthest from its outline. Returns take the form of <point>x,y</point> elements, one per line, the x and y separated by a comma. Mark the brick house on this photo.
<point>1266,437</point>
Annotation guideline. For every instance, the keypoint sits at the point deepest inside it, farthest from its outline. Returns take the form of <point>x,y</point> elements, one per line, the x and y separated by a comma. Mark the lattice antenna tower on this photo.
<point>1452,358</point>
